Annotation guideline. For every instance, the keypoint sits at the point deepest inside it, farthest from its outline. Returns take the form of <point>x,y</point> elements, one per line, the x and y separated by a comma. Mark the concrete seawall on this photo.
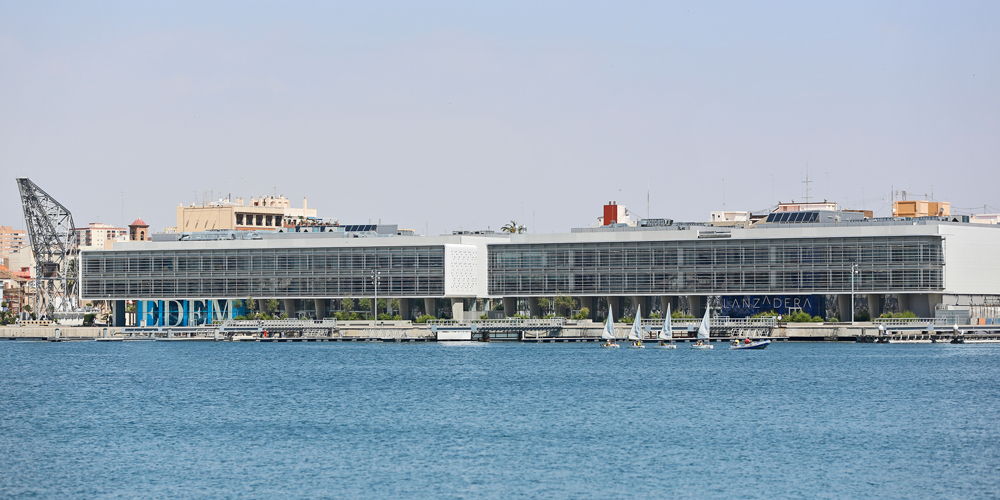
<point>56,332</point>
<point>830,332</point>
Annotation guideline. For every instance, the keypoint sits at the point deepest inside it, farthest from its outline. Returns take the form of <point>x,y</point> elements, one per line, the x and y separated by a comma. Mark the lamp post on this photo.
<point>375,277</point>
<point>854,270</point>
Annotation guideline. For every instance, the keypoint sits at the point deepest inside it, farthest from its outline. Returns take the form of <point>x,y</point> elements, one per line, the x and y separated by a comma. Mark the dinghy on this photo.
<point>666,335</point>
<point>635,334</point>
<point>703,332</point>
<point>609,333</point>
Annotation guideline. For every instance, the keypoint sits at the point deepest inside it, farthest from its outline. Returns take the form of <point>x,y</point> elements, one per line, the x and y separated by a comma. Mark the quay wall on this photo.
<point>405,329</point>
<point>49,332</point>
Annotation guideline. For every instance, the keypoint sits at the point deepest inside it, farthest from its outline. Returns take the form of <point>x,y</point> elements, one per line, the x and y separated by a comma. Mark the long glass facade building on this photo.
<point>925,264</point>
<point>718,267</point>
<point>294,272</point>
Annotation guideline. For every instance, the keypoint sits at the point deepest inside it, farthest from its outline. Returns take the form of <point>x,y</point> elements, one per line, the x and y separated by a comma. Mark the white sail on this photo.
<point>636,332</point>
<point>703,328</point>
<point>609,328</point>
<point>667,333</point>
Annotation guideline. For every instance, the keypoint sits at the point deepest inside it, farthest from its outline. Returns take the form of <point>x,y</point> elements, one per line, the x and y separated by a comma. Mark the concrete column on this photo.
<point>260,305</point>
<point>920,305</point>
<point>587,302</point>
<point>876,305</point>
<point>509,306</point>
<point>668,300</point>
<point>534,310</point>
<point>844,305</point>
<point>404,308</point>
<point>697,305</point>
<point>430,307</point>
<point>320,308</point>
<point>119,308</point>
<point>614,307</point>
<point>457,308</point>
<point>289,307</point>
<point>933,300</point>
<point>903,302</point>
<point>642,303</point>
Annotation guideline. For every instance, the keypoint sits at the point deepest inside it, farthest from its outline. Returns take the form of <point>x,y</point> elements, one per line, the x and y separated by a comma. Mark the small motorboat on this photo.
<point>753,345</point>
<point>665,345</point>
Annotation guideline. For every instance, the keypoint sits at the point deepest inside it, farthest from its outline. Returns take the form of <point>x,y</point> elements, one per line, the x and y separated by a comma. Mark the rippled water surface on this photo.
<point>499,420</point>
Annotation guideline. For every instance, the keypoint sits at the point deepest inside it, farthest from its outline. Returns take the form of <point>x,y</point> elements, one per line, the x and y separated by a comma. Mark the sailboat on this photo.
<point>609,333</point>
<point>635,334</point>
<point>666,333</point>
<point>703,332</point>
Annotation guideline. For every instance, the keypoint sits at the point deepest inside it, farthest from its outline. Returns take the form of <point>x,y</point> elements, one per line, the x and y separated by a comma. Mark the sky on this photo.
<point>440,116</point>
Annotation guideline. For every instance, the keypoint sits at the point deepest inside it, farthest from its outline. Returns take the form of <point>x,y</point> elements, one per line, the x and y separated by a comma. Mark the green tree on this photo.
<point>583,314</point>
<point>544,303</point>
<point>347,305</point>
<point>564,304</point>
<point>271,306</point>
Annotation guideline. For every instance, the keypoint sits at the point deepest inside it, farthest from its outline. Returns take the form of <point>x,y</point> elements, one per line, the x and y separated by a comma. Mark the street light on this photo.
<point>375,277</point>
<point>854,270</point>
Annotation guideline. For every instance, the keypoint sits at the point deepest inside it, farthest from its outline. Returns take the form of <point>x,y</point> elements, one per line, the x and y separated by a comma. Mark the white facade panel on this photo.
<point>972,259</point>
<point>461,270</point>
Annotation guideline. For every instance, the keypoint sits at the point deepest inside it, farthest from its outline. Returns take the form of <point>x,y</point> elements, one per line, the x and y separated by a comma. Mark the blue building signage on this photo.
<point>186,312</point>
<point>741,306</point>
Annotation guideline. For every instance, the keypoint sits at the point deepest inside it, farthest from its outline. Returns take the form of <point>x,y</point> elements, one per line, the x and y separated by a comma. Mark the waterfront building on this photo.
<point>98,236</point>
<point>807,260</point>
<point>11,240</point>
<point>267,213</point>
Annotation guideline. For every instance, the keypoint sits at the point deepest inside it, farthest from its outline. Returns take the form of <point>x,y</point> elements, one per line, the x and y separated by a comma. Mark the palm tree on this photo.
<point>513,227</point>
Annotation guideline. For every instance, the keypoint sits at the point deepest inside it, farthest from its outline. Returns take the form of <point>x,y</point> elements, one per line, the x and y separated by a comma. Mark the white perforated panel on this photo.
<point>461,265</point>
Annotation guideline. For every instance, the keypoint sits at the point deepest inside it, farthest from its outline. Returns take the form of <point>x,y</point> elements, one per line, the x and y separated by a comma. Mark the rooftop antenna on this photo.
<point>723,194</point>
<point>807,182</point>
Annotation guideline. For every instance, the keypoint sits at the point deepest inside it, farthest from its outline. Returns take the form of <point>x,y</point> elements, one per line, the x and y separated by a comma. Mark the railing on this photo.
<point>281,323</point>
<point>717,322</point>
<point>912,321</point>
<point>502,323</point>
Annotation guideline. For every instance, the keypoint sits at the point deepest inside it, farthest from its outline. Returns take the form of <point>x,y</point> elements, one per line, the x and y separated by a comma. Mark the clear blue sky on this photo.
<point>467,114</point>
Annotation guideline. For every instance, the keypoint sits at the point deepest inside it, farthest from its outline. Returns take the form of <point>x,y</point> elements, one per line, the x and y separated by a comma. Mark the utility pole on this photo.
<point>375,277</point>
<point>854,270</point>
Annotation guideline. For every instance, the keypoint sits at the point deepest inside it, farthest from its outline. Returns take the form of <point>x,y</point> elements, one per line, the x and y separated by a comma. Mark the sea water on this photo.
<point>498,420</point>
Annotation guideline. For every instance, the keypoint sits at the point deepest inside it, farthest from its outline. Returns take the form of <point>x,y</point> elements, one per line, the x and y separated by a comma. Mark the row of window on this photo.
<point>284,260</point>
<point>773,266</point>
<point>389,286</point>
<point>658,254</point>
<point>714,282</point>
